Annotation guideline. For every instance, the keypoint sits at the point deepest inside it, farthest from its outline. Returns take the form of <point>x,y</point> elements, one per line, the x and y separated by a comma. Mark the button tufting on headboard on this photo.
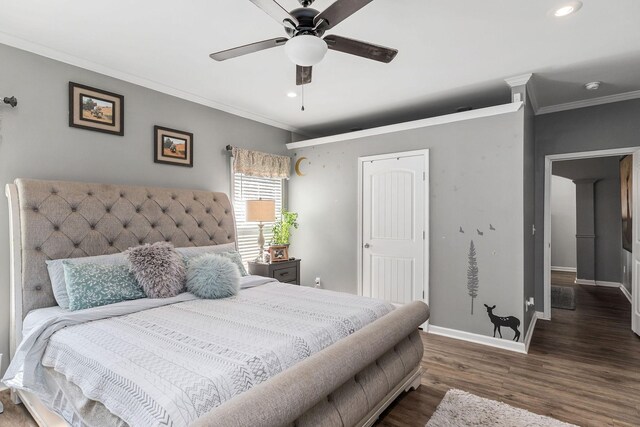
<point>73,219</point>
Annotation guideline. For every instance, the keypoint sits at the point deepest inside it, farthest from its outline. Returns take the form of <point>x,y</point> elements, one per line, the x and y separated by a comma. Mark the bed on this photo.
<point>346,377</point>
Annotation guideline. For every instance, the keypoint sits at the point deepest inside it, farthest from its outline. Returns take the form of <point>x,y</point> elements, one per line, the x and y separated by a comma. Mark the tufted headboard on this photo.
<point>55,219</point>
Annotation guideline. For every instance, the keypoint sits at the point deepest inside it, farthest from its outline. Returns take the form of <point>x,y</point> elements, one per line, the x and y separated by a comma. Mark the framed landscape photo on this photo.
<point>172,147</point>
<point>278,253</point>
<point>95,109</point>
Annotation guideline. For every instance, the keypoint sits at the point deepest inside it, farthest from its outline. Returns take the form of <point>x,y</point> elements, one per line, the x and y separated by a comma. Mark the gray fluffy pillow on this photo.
<point>213,276</point>
<point>158,268</point>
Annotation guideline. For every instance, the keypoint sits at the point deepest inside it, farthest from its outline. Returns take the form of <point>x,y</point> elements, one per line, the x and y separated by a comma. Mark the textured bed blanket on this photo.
<point>169,365</point>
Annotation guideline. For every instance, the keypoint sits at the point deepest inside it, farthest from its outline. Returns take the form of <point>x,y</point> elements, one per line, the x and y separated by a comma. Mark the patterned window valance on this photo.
<point>265,165</point>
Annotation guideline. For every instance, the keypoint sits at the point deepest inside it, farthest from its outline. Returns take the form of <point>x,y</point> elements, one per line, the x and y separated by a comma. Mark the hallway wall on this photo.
<point>563,224</point>
<point>626,259</point>
<point>606,211</point>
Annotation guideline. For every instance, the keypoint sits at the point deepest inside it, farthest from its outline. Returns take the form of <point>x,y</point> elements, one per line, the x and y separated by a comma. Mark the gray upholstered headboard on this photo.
<point>72,219</point>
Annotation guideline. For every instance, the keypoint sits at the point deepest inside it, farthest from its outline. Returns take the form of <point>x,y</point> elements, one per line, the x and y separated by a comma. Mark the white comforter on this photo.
<point>167,362</point>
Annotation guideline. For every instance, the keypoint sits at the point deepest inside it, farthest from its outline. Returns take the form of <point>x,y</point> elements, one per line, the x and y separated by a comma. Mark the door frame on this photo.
<point>361,160</point>
<point>548,162</point>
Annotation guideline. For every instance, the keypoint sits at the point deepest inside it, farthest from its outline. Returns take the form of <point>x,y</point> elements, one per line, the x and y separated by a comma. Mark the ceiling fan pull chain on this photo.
<point>302,97</point>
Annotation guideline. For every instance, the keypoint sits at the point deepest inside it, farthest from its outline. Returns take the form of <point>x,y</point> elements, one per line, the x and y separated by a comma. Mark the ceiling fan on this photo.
<point>305,26</point>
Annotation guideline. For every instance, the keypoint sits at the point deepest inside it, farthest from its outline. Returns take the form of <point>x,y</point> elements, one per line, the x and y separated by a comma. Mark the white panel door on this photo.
<point>394,235</point>
<point>635,227</point>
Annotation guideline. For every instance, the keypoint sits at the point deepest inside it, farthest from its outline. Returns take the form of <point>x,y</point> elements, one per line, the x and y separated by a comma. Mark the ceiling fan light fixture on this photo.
<point>306,50</point>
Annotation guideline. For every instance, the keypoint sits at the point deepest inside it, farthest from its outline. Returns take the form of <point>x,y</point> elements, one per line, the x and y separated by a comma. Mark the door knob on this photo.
<point>367,246</point>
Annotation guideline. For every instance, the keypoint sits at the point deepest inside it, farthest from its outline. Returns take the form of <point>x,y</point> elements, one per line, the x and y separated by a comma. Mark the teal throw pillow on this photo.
<point>93,285</point>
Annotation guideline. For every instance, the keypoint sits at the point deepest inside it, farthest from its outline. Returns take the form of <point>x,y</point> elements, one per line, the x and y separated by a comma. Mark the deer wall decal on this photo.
<point>509,321</point>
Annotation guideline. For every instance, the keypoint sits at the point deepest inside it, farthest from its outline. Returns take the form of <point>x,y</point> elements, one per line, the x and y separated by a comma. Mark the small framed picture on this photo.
<point>278,253</point>
<point>172,147</point>
<point>95,109</point>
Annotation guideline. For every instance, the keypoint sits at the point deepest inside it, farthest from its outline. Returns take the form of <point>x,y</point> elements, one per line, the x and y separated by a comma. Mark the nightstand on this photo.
<point>283,271</point>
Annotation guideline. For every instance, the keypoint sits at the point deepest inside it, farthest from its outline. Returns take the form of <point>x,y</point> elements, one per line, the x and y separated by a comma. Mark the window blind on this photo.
<point>252,188</point>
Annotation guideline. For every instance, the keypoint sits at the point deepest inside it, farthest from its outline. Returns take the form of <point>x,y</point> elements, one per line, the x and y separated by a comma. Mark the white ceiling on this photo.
<point>452,53</point>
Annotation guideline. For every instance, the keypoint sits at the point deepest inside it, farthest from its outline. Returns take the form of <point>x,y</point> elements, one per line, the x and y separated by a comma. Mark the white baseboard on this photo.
<point>626,292</point>
<point>609,284</point>
<point>504,344</point>
<point>529,334</point>
<point>540,315</point>
<point>564,269</point>
<point>598,283</point>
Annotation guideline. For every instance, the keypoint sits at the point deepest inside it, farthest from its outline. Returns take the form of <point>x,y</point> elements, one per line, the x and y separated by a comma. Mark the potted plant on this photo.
<point>282,228</point>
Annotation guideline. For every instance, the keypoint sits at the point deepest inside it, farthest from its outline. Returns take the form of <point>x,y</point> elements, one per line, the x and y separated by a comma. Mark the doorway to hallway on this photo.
<point>585,215</point>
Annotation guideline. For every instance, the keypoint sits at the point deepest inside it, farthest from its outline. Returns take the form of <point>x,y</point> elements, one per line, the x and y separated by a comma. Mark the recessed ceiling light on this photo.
<point>567,9</point>
<point>592,85</point>
<point>292,94</point>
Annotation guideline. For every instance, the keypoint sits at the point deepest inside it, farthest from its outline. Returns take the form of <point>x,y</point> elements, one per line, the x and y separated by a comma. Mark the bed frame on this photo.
<point>348,383</point>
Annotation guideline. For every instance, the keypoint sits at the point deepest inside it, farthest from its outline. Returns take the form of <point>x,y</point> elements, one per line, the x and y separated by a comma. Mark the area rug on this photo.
<point>563,297</point>
<point>459,408</point>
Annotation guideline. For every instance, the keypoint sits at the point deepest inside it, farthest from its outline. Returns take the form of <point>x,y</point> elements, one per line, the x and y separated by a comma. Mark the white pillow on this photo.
<point>193,251</point>
<point>56,273</point>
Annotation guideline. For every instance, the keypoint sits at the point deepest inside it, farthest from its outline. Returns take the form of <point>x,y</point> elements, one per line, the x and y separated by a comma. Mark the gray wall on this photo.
<point>601,127</point>
<point>563,222</point>
<point>529,207</point>
<point>36,141</point>
<point>606,210</point>
<point>626,260</point>
<point>608,227</point>
<point>475,179</point>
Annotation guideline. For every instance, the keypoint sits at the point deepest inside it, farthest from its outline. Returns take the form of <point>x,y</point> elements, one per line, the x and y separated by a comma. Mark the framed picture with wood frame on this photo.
<point>278,253</point>
<point>95,109</point>
<point>172,147</point>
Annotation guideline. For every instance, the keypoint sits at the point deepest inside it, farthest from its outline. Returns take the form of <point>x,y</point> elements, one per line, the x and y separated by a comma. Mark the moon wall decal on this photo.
<point>297,167</point>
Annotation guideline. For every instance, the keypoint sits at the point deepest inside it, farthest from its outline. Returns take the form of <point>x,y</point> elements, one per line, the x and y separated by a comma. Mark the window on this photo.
<point>251,188</point>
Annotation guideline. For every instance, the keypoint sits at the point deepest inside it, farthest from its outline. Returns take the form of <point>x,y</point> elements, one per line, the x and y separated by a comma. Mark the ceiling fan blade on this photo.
<point>277,12</point>
<point>363,49</point>
<point>248,48</point>
<point>303,75</point>
<point>339,11</point>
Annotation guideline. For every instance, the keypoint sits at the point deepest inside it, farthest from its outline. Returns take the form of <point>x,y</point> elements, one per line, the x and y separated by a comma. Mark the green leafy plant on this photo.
<point>282,228</point>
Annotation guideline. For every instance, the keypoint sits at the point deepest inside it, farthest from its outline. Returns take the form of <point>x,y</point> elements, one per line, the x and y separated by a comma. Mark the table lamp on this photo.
<point>261,211</point>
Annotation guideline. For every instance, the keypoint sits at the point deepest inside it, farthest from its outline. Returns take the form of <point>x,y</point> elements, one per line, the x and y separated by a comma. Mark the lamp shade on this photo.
<point>261,210</point>
<point>306,50</point>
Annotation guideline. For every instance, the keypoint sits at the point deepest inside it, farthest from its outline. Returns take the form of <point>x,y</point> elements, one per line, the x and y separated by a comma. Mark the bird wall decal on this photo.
<point>480,233</point>
<point>491,227</point>
<point>461,230</point>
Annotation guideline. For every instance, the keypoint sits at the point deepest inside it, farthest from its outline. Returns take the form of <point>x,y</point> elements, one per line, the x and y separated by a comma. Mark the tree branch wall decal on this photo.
<point>472,274</point>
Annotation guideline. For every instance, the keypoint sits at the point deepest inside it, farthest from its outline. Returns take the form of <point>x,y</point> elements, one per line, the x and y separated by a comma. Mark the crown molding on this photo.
<point>589,102</point>
<point>520,80</point>
<point>398,127</point>
<point>523,80</point>
<point>533,99</point>
<point>57,55</point>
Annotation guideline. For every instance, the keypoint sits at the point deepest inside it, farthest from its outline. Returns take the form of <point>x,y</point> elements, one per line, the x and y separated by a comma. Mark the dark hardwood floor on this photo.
<point>583,367</point>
